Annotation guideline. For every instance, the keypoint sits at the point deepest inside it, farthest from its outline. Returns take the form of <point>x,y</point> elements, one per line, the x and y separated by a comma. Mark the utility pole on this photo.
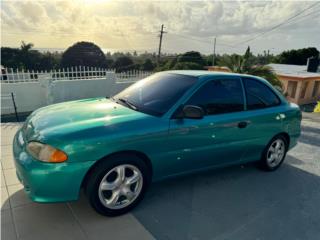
<point>160,42</point>
<point>214,51</point>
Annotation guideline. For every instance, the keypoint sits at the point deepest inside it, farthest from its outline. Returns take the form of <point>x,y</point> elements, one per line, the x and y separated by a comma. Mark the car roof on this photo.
<point>204,73</point>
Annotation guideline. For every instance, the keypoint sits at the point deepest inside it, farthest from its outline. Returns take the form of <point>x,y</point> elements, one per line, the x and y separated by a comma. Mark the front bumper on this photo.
<point>47,182</point>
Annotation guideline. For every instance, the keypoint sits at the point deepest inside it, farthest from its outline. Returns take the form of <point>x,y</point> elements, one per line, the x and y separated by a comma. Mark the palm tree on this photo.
<point>245,64</point>
<point>25,47</point>
<point>24,57</point>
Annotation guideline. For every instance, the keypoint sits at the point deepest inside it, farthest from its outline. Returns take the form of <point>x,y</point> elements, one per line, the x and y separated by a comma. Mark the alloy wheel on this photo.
<point>276,153</point>
<point>120,186</point>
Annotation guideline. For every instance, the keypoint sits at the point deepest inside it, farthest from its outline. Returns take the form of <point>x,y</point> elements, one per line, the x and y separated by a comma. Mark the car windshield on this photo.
<point>156,94</point>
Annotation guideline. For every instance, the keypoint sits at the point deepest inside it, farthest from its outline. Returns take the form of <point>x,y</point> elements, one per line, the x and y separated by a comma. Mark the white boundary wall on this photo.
<point>45,91</point>
<point>28,97</point>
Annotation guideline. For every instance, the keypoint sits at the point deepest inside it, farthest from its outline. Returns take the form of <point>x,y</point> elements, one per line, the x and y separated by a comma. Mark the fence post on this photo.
<point>15,107</point>
<point>47,83</point>
<point>110,82</point>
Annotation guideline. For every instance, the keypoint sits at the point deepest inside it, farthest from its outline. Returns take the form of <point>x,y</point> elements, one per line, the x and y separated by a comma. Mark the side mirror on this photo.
<point>193,112</point>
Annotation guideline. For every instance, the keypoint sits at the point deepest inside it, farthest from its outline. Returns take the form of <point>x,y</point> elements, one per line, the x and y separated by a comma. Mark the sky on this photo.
<point>190,25</point>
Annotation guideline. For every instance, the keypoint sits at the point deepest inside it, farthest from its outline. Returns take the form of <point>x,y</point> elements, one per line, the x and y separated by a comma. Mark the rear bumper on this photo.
<point>48,182</point>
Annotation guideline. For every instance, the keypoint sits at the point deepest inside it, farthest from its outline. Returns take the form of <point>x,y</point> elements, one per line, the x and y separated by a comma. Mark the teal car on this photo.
<point>168,124</point>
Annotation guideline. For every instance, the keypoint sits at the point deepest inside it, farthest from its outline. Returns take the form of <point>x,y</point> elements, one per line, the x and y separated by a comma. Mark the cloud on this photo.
<point>133,24</point>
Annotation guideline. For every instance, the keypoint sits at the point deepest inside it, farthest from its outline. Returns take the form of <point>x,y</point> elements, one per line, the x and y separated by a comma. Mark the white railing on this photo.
<point>132,76</point>
<point>9,75</point>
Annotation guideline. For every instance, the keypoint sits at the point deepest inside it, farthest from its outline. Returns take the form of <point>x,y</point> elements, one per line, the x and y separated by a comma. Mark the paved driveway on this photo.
<point>240,202</point>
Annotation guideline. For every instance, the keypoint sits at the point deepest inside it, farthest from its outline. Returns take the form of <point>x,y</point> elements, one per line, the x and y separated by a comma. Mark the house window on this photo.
<point>292,88</point>
<point>316,88</point>
<point>304,89</point>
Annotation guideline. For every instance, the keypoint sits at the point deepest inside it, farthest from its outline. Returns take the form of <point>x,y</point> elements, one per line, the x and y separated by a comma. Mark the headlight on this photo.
<point>46,153</point>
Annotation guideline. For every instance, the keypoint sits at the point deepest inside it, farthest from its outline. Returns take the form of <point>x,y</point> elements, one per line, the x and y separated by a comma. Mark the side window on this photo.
<point>219,96</point>
<point>259,95</point>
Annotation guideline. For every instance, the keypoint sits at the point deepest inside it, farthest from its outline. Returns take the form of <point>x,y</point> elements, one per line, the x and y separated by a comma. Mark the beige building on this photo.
<point>300,86</point>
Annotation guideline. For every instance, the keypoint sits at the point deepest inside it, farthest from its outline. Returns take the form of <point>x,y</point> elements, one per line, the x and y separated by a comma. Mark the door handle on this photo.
<point>242,124</point>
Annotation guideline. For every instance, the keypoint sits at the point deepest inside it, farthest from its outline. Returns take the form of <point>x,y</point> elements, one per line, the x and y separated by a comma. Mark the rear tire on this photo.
<point>274,153</point>
<point>117,184</point>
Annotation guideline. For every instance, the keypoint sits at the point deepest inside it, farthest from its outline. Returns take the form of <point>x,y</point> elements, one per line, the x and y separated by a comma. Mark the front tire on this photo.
<point>274,153</point>
<point>117,184</point>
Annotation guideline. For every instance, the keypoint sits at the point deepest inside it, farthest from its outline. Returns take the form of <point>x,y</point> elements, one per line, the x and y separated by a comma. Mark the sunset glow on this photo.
<point>134,25</point>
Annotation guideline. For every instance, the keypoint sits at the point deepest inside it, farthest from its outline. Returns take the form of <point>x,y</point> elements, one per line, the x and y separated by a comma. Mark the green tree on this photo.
<point>10,57</point>
<point>193,57</point>
<point>147,65</point>
<point>245,64</point>
<point>123,63</point>
<point>297,56</point>
<point>167,63</point>
<point>188,66</point>
<point>49,61</point>
<point>27,58</point>
<point>83,54</point>
<point>26,47</point>
<point>186,61</point>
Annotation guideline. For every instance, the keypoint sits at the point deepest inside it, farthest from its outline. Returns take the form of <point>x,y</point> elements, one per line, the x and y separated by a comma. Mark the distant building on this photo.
<point>301,86</point>
<point>218,69</point>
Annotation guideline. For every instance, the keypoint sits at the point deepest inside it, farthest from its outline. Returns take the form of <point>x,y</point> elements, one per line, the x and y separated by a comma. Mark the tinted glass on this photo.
<point>259,95</point>
<point>219,96</point>
<point>157,93</point>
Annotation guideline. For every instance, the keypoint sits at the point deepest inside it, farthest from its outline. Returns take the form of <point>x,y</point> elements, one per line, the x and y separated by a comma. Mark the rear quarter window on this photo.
<point>259,95</point>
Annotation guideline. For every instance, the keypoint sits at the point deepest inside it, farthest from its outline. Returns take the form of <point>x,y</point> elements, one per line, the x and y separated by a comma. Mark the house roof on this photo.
<point>293,70</point>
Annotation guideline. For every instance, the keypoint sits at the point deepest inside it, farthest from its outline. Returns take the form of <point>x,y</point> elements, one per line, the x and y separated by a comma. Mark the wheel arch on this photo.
<point>139,154</point>
<point>286,136</point>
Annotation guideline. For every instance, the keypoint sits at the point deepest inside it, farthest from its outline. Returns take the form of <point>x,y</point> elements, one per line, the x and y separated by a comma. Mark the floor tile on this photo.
<point>122,227</point>
<point>18,197</point>
<point>46,221</point>
<point>6,151</point>
<point>7,162</point>
<point>10,176</point>
<point>7,227</point>
<point>6,140</point>
<point>4,199</point>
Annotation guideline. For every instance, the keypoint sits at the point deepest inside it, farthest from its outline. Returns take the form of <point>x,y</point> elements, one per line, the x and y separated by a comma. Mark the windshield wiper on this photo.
<point>128,103</point>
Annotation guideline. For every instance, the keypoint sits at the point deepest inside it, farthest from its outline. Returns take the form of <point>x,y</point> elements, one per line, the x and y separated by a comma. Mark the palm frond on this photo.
<point>244,64</point>
<point>265,72</point>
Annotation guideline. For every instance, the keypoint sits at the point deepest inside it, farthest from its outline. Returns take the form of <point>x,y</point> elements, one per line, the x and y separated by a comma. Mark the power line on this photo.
<point>314,13</point>
<point>199,40</point>
<point>278,25</point>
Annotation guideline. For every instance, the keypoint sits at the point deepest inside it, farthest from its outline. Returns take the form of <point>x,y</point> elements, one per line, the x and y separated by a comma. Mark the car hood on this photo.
<point>63,118</point>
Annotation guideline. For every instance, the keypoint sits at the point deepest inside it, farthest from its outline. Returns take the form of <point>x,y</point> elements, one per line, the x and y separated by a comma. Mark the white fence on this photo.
<point>131,76</point>
<point>9,75</point>
<point>33,89</point>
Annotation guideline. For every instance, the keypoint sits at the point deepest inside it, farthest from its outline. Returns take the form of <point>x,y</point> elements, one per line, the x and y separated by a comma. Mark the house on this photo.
<point>300,83</point>
<point>218,69</point>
